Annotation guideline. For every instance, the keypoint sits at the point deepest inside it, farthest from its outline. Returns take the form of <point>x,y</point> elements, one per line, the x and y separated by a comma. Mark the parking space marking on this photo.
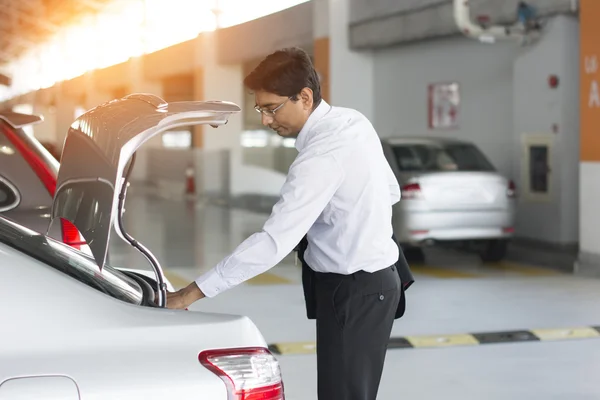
<point>271,278</point>
<point>438,272</point>
<point>176,280</point>
<point>485,270</point>
<point>267,278</point>
<point>442,341</point>
<point>294,348</point>
<point>460,340</point>
<point>522,269</point>
<point>572,333</point>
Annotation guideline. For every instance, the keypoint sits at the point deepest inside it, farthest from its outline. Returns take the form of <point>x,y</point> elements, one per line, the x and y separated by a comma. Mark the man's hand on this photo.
<point>183,298</point>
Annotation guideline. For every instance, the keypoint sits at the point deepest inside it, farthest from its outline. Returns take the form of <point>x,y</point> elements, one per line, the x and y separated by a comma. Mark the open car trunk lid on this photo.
<point>98,147</point>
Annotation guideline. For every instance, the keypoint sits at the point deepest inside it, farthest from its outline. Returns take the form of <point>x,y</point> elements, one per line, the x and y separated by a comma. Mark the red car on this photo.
<point>28,173</point>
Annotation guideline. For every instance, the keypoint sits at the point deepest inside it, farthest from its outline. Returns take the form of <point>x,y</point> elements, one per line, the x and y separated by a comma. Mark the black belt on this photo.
<point>334,275</point>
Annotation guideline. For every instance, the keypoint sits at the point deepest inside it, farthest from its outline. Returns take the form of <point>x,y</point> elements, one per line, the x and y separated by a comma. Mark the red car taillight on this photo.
<point>248,373</point>
<point>411,191</point>
<point>70,234</point>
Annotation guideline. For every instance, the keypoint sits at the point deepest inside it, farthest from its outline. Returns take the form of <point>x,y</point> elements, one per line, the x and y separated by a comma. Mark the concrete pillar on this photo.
<point>65,114</point>
<point>547,129</point>
<point>219,163</point>
<point>217,151</point>
<point>139,84</point>
<point>218,82</point>
<point>45,131</point>
<point>351,73</point>
<point>589,106</point>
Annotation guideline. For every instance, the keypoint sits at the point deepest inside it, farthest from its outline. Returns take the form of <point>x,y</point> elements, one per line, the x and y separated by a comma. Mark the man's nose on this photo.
<point>266,120</point>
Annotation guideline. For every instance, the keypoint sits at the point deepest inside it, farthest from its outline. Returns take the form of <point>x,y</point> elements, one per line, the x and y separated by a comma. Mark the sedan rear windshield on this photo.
<point>446,157</point>
<point>70,262</point>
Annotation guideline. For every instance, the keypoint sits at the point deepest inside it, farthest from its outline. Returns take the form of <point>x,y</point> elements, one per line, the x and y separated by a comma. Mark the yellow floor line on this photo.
<point>522,269</point>
<point>458,340</point>
<point>268,278</point>
<point>442,341</point>
<point>297,348</point>
<point>571,333</point>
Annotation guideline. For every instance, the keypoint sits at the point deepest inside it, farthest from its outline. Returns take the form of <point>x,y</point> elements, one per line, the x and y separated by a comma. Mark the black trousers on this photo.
<point>354,314</point>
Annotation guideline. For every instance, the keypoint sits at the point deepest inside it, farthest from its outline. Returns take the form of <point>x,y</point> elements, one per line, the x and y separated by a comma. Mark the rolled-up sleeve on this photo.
<point>309,187</point>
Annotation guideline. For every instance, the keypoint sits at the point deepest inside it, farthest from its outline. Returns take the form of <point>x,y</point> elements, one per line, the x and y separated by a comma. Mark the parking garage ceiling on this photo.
<point>27,23</point>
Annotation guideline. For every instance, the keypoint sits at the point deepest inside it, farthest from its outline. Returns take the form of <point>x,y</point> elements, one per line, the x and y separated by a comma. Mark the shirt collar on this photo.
<point>305,133</point>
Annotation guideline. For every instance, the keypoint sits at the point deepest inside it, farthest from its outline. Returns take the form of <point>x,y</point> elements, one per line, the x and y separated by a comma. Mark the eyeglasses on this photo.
<point>271,113</point>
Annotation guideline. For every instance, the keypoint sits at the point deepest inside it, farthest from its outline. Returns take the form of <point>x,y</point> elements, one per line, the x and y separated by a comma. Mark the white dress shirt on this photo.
<point>339,190</point>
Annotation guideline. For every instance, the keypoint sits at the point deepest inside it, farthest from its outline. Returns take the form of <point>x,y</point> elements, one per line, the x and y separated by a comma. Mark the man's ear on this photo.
<point>306,95</point>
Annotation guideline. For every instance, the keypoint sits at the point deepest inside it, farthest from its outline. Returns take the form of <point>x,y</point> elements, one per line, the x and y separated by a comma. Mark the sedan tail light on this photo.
<point>71,235</point>
<point>412,191</point>
<point>248,373</point>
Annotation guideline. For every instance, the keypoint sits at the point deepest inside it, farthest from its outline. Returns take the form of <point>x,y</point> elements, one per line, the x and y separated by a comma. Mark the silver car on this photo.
<point>76,328</point>
<point>451,194</point>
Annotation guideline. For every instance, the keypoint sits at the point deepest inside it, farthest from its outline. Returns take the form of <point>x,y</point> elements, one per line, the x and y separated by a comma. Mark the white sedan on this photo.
<point>72,332</point>
<point>74,328</point>
<point>451,194</point>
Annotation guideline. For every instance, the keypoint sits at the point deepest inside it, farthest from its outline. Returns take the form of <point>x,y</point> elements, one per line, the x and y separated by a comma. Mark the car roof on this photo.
<point>435,140</point>
<point>19,120</point>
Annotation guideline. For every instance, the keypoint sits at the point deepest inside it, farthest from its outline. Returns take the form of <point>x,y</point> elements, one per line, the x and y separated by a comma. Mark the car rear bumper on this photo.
<point>421,227</point>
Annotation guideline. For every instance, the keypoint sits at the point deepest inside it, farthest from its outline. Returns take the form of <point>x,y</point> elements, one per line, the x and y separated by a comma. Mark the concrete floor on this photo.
<point>454,294</point>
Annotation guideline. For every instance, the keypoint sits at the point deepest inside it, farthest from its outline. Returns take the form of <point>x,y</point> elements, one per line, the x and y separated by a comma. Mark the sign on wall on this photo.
<point>444,102</point>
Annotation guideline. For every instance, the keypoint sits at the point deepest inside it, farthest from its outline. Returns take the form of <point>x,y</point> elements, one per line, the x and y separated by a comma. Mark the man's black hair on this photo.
<point>285,73</point>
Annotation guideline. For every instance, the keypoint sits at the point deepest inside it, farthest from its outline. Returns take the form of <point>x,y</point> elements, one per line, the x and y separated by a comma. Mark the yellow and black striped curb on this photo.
<point>454,340</point>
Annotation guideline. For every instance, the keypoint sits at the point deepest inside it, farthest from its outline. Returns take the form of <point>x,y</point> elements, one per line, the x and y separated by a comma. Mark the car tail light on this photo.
<point>411,191</point>
<point>511,191</point>
<point>248,373</point>
<point>70,233</point>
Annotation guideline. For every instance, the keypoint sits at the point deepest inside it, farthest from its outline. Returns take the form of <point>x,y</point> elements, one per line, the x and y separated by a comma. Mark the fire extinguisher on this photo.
<point>190,182</point>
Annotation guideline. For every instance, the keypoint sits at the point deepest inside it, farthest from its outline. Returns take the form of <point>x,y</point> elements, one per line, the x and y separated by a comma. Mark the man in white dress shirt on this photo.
<point>338,195</point>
